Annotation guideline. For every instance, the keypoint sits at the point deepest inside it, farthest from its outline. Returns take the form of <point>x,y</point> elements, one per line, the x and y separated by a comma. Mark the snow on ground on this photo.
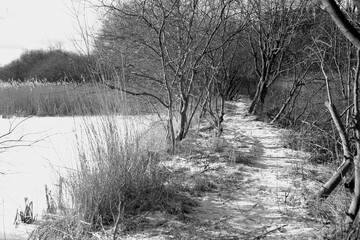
<point>260,186</point>
<point>267,198</point>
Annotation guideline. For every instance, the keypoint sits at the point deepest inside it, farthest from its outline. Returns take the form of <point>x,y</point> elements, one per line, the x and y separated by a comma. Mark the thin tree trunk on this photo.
<point>283,107</point>
<point>171,131</point>
<point>183,119</point>
<point>221,114</point>
<point>353,35</point>
<point>354,206</point>
<point>336,178</point>
<point>233,90</point>
<point>259,97</point>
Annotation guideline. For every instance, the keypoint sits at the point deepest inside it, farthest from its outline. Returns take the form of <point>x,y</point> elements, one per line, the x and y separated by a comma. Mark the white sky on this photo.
<point>39,24</point>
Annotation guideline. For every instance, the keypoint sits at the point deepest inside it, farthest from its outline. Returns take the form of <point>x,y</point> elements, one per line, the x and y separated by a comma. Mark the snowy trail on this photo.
<point>265,200</point>
<point>261,187</point>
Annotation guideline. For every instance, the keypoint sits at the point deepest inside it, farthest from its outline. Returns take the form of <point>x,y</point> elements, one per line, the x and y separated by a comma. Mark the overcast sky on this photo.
<point>39,24</point>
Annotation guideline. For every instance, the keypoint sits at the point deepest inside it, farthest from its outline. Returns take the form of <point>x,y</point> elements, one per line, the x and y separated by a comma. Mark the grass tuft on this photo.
<point>115,171</point>
<point>117,179</point>
<point>62,227</point>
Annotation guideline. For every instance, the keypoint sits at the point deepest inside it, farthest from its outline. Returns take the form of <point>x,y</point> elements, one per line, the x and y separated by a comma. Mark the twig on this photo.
<point>205,170</point>
<point>119,217</point>
<point>270,231</point>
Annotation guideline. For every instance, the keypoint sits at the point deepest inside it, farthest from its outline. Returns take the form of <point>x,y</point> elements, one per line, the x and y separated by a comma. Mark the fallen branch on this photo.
<point>270,231</point>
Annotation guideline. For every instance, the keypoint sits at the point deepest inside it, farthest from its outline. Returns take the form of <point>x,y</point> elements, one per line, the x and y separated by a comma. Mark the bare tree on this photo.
<point>225,72</point>
<point>298,78</point>
<point>272,30</point>
<point>353,35</point>
<point>162,47</point>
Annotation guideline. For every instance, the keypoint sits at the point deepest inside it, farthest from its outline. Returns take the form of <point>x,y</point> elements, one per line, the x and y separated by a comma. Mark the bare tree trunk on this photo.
<point>295,86</point>
<point>336,178</point>
<point>171,131</point>
<point>355,203</point>
<point>232,92</point>
<point>259,97</point>
<point>354,36</point>
<point>221,115</point>
<point>351,33</point>
<point>183,119</point>
<point>341,21</point>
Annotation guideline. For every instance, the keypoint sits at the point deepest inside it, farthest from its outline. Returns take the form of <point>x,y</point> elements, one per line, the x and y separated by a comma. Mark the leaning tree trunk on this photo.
<point>353,35</point>
<point>347,29</point>
<point>184,104</point>
<point>355,203</point>
<point>259,97</point>
<point>335,179</point>
<point>292,92</point>
<point>345,167</point>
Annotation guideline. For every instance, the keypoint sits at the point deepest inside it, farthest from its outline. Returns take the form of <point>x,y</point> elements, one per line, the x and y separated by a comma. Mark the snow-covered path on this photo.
<point>260,189</point>
<point>266,199</point>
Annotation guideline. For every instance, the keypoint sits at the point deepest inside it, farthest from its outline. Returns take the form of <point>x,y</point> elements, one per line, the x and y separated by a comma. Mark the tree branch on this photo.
<point>349,31</point>
<point>113,87</point>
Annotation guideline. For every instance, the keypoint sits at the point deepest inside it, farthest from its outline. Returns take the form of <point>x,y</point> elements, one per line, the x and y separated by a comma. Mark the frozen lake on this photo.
<point>25,170</point>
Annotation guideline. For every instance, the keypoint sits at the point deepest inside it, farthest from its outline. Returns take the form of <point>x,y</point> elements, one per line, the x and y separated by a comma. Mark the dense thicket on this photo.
<point>47,65</point>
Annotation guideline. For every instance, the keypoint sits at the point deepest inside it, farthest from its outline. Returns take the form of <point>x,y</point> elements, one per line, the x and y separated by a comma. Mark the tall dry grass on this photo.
<point>120,175</point>
<point>39,98</point>
<point>114,171</point>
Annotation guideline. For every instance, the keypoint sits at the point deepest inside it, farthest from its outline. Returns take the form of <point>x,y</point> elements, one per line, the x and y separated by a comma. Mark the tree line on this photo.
<point>51,65</point>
